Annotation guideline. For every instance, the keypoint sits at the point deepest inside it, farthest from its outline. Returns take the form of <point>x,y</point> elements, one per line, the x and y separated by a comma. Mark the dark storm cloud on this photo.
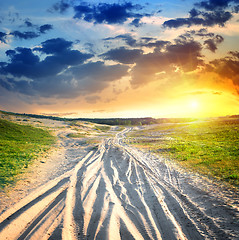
<point>234,54</point>
<point>207,19</point>
<point>212,43</point>
<point>22,55</point>
<point>45,27</point>
<point>28,23</point>
<point>55,45</point>
<point>11,85</point>
<point>203,33</point>
<point>194,13</point>
<point>24,35</point>
<point>136,22</point>
<point>235,9</point>
<point>60,7</point>
<point>88,78</point>
<point>211,5</point>
<point>227,67</point>
<point>114,13</point>
<point>98,71</point>
<point>27,34</point>
<point>147,39</point>
<point>62,73</point>
<point>24,63</point>
<point>123,55</point>
<point>40,29</point>
<point>6,84</point>
<point>129,40</point>
<point>84,79</point>
<point>183,55</point>
<point>143,42</point>
<point>211,13</point>
<point>3,37</point>
<point>159,44</point>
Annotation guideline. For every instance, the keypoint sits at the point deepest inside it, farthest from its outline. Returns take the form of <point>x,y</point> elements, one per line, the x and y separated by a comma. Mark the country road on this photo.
<point>118,192</point>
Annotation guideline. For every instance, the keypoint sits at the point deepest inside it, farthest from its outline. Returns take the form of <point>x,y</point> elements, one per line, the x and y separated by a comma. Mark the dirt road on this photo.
<point>117,192</point>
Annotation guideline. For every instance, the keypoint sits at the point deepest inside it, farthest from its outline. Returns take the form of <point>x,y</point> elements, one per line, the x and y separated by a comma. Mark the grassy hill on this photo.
<point>19,144</point>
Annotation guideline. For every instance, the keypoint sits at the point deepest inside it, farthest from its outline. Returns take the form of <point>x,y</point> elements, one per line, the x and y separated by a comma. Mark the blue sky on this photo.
<point>119,58</point>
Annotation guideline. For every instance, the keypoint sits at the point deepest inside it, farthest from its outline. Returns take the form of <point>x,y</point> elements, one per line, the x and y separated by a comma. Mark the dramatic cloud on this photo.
<point>28,34</point>
<point>235,9</point>
<point>60,7</point>
<point>84,79</point>
<point>129,40</point>
<point>227,67</point>
<point>98,72</point>
<point>28,23</point>
<point>143,42</point>
<point>136,22</point>
<point>24,63</point>
<point>207,19</point>
<point>183,55</point>
<point>211,5</point>
<point>22,55</point>
<point>63,73</point>
<point>202,33</point>
<point>3,37</point>
<point>55,45</point>
<point>24,35</point>
<point>157,44</point>
<point>123,55</point>
<point>45,28</point>
<point>109,13</point>
<point>211,13</point>
<point>211,44</point>
<point>194,13</point>
<point>41,29</point>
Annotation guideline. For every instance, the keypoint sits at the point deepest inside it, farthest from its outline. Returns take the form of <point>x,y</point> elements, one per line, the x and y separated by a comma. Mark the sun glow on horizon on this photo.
<point>202,104</point>
<point>194,105</point>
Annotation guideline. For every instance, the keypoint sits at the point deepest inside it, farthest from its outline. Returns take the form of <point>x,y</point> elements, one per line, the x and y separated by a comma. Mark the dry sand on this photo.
<point>114,192</point>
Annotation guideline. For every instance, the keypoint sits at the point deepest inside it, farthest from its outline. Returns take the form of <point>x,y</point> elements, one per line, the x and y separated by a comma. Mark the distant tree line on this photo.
<point>107,121</point>
<point>114,121</point>
<point>120,121</point>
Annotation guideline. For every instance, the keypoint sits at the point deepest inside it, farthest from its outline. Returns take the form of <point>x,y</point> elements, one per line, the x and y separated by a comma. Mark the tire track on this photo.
<point>114,192</point>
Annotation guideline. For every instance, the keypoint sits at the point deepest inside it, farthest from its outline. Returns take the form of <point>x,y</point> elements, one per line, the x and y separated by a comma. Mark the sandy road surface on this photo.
<point>117,192</point>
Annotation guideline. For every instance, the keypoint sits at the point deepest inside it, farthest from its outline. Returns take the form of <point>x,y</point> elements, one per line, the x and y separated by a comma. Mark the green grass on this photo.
<point>19,144</point>
<point>210,148</point>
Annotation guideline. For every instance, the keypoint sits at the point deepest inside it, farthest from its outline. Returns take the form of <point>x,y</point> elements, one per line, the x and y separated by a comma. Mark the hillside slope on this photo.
<point>19,144</point>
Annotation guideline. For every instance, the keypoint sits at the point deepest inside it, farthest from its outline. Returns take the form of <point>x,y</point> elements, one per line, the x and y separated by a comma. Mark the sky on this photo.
<point>103,59</point>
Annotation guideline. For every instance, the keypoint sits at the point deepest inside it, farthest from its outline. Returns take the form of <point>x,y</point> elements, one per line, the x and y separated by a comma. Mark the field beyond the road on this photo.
<point>209,147</point>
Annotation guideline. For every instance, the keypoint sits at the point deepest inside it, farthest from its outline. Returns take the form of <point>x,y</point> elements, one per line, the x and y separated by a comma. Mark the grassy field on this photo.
<point>208,147</point>
<point>19,144</point>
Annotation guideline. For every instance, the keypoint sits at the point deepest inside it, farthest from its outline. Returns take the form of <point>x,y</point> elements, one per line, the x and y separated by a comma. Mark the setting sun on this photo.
<point>194,105</point>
